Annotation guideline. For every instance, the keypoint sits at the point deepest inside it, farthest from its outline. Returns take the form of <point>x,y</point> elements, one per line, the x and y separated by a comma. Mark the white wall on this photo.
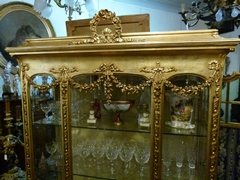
<point>161,18</point>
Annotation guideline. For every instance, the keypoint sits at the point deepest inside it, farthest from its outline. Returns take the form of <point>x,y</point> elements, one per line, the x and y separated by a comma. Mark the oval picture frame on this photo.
<point>19,18</point>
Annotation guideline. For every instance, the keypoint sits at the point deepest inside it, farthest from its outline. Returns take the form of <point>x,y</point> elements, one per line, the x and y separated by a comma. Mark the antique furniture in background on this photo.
<point>172,79</point>
<point>229,142</point>
<point>11,131</point>
<point>130,23</point>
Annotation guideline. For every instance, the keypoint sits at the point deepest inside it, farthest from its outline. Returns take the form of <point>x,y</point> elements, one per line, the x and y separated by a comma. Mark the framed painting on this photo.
<point>19,21</point>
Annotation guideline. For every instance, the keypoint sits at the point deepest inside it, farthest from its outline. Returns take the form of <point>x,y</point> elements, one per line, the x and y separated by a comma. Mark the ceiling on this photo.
<point>157,4</point>
<point>173,3</point>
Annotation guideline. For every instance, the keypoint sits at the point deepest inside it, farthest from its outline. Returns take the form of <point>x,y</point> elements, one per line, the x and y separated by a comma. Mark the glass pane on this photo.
<point>231,104</point>
<point>224,112</point>
<point>234,90</point>
<point>234,111</point>
<point>224,91</point>
<point>110,139</point>
<point>185,131</point>
<point>46,119</point>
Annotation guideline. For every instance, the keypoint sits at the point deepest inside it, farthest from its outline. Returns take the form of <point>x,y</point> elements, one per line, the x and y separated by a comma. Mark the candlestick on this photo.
<point>18,112</point>
<point>7,106</point>
<point>182,8</point>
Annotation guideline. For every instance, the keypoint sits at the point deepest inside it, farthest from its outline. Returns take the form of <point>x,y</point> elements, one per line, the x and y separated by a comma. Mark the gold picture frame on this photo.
<point>18,18</point>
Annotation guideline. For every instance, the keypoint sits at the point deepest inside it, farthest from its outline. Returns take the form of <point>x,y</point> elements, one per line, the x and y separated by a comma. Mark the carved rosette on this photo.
<point>106,76</point>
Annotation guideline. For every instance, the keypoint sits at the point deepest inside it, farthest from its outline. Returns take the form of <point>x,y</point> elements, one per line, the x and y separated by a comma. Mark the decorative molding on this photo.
<point>107,35</point>
<point>106,76</point>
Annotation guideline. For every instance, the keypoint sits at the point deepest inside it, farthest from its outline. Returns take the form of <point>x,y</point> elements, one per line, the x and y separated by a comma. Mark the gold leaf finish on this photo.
<point>156,58</point>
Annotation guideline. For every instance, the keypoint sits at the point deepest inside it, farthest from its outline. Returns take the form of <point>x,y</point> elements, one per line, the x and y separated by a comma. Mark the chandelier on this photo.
<point>45,9</point>
<point>211,11</point>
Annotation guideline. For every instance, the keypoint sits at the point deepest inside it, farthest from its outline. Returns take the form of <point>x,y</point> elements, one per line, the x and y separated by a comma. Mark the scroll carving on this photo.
<point>107,35</point>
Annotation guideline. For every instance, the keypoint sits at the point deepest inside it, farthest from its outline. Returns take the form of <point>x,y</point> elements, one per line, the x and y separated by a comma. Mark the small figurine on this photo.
<point>144,117</point>
<point>16,86</point>
<point>7,90</point>
<point>91,119</point>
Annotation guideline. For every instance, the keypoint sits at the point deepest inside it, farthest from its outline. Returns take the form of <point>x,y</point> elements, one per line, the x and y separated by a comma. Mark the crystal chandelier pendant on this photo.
<point>235,12</point>
<point>219,15</point>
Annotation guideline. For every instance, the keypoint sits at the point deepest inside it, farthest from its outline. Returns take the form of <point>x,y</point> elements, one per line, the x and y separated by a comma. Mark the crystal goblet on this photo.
<point>142,156</point>
<point>51,148</point>
<point>55,108</point>
<point>84,152</point>
<point>112,153</point>
<point>98,150</point>
<point>46,108</point>
<point>126,153</point>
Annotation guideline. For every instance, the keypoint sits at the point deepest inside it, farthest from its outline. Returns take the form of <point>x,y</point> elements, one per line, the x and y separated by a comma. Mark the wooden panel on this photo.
<point>130,23</point>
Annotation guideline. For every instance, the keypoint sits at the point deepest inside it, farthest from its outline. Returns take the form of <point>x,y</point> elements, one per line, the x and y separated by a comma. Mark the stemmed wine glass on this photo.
<point>98,150</point>
<point>112,153</point>
<point>191,157</point>
<point>58,155</point>
<point>46,108</point>
<point>55,107</point>
<point>166,154</point>
<point>127,152</point>
<point>179,158</point>
<point>84,151</point>
<point>51,148</point>
<point>142,155</point>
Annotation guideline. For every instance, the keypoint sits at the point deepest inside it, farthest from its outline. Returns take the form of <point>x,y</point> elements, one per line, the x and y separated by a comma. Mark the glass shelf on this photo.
<point>104,124</point>
<point>198,131</point>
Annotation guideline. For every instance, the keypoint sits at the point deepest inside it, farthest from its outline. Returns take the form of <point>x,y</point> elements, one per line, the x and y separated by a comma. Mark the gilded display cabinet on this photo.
<point>122,106</point>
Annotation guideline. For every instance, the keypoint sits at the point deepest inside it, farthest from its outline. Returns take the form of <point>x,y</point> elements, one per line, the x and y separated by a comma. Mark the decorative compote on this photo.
<point>118,107</point>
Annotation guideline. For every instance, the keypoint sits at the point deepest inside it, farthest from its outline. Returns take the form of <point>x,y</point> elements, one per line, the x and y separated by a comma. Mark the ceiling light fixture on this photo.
<point>212,11</point>
<point>45,9</point>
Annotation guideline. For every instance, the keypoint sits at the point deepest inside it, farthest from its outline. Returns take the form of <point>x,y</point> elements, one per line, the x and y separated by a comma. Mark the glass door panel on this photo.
<point>185,122</point>
<point>46,121</point>
<point>108,141</point>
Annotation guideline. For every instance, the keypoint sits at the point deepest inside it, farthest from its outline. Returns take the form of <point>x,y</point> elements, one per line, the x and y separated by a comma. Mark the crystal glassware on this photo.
<point>127,152</point>
<point>98,150</point>
<point>142,156</point>
<point>84,152</point>
<point>166,156</point>
<point>51,148</point>
<point>191,157</point>
<point>46,108</point>
<point>179,158</point>
<point>112,153</point>
<point>55,108</point>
